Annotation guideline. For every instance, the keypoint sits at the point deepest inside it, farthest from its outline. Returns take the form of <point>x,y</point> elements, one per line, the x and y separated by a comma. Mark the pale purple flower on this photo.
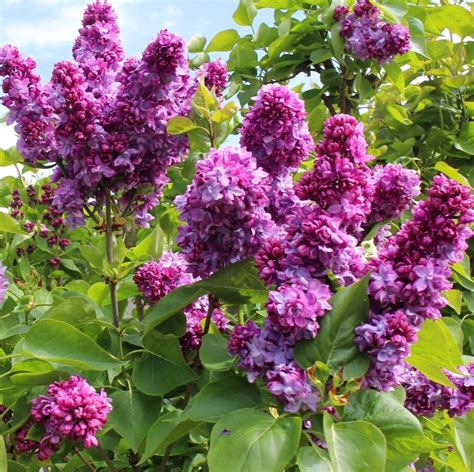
<point>3,282</point>
<point>290,385</point>
<point>296,307</point>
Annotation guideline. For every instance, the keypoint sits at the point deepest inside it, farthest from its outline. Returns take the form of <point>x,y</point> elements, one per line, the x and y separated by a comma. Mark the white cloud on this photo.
<point>58,26</point>
<point>8,136</point>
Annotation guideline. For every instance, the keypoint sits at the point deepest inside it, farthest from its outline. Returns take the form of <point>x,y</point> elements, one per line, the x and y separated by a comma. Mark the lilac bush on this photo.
<point>201,258</point>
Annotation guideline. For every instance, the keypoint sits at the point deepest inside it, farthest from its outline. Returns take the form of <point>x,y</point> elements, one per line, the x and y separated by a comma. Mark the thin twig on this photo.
<point>329,105</point>
<point>92,214</point>
<point>110,256</point>
<point>83,459</point>
<point>106,458</point>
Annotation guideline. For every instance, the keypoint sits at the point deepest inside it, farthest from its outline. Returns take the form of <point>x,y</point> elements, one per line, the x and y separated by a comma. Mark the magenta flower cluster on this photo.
<point>424,397</point>
<point>102,120</point>
<point>395,190</point>
<point>224,210</point>
<point>215,76</point>
<point>72,410</point>
<point>409,276</point>
<point>368,36</point>
<point>275,130</point>
<point>341,184</point>
<point>156,279</point>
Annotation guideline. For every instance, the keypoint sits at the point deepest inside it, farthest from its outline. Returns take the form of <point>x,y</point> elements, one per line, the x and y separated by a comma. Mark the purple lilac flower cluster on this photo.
<point>156,279</point>
<point>98,48</point>
<point>368,36</point>
<point>224,210</point>
<point>424,397</point>
<point>28,102</point>
<point>215,76</point>
<point>341,184</point>
<point>72,410</point>
<point>275,130</point>
<point>409,276</point>
<point>395,190</point>
<point>268,353</point>
<point>101,119</point>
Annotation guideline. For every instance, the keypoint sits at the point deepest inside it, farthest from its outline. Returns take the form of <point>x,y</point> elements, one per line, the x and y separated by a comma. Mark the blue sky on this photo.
<point>46,29</point>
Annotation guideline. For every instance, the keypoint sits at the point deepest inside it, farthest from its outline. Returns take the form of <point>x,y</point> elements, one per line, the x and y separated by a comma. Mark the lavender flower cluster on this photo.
<point>3,282</point>
<point>368,36</point>
<point>102,119</point>
<point>225,211</point>
<point>156,279</point>
<point>424,397</point>
<point>72,410</point>
<point>409,276</point>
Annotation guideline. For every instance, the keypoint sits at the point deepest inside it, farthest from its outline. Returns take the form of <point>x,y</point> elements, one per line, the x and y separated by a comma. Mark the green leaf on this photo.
<point>3,455</point>
<point>9,225</point>
<point>393,9</point>
<point>75,311</point>
<point>452,173</point>
<point>163,368</point>
<point>236,283</point>
<point>223,41</point>
<point>133,414</point>
<point>337,41</point>
<point>16,467</point>
<point>180,125</point>
<point>57,341</point>
<point>167,429</point>
<point>171,304</point>
<point>225,114</point>
<point>311,459</point>
<point>402,430</point>
<point>335,345</point>
<point>9,157</point>
<point>320,55</point>
<point>221,397</point>
<point>214,354</point>
<point>249,440</point>
<point>431,357</point>
<point>464,438</point>
<point>417,36</point>
<point>456,18</point>
<point>152,245</point>
<point>93,256</point>
<point>454,298</point>
<point>197,43</point>
<point>398,113</point>
<point>348,443</point>
<point>357,368</point>
<point>455,329</point>
<point>245,13</point>
<point>465,141</point>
